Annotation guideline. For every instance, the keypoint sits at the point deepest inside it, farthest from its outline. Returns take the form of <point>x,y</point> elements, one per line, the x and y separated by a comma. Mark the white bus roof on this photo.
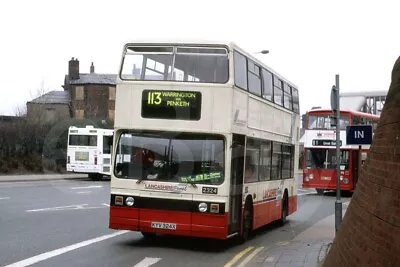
<point>232,45</point>
<point>90,128</point>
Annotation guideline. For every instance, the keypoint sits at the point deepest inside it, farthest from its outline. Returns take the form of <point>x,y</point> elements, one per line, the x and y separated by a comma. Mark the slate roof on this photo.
<point>95,78</point>
<point>53,97</point>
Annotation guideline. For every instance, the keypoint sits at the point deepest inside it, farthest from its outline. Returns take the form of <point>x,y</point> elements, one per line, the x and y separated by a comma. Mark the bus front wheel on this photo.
<point>320,191</point>
<point>149,236</point>
<point>285,209</point>
<point>247,221</point>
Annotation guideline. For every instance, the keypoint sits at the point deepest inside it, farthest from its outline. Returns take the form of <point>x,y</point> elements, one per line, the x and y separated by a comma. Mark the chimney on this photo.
<point>92,68</point>
<point>73,69</point>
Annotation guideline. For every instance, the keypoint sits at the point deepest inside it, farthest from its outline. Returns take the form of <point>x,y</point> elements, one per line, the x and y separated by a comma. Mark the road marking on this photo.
<point>73,207</point>
<point>270,259</point>
<point>80,206</point>
<point>105,204</point>
<point>86,187</point>
<point>309,193</point>
<point>146,262</point>
<point>250,257</point>
<point>57,252</point>
<point>4,198</point>
<point>238,256</point>
<point>84,192</point>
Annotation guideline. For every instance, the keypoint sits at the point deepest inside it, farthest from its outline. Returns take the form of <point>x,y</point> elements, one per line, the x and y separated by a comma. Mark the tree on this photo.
<point>370,232</point>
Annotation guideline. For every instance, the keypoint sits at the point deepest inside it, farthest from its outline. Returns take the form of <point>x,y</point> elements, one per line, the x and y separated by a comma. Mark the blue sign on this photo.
<point>359,135</point>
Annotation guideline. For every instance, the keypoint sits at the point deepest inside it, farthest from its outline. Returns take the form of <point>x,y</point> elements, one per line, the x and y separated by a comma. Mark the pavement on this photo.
<point>307,249</point>
<point>40,177</point>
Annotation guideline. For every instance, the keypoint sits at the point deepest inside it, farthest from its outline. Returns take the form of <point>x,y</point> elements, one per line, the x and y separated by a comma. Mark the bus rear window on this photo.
<point>83,140</point>
<point>186,64</point>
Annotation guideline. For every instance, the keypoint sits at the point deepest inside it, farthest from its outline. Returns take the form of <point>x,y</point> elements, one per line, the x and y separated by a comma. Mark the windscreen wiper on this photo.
<point>192,183</point>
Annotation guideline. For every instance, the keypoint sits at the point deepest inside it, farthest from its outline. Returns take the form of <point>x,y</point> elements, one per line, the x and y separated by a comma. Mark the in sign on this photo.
<point>359,135</point>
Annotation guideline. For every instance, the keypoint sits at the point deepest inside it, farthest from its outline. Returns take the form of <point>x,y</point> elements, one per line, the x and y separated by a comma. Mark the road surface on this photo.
<point>65,223</point>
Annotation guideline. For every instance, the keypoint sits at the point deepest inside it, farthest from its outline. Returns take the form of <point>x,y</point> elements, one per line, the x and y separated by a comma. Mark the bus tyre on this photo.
<point>95,176</point>
<point>247,221</point>
<point>320,191</point>
<point>149,236</point>
<point>285,209</point>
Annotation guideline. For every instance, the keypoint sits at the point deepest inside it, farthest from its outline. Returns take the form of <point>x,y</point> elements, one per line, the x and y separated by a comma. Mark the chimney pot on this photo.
<point>92,68</point>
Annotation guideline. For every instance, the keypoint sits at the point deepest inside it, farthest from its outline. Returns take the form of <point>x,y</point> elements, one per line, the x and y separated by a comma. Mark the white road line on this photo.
<point>105,204</point>
<point>146,262</point>
<point>80,206</point>
<point>4,198</point>
<point>309,193</point>
<point>86,187</point>
<point>56,252</point>
<point>84,192</point>
<point>74,207</point>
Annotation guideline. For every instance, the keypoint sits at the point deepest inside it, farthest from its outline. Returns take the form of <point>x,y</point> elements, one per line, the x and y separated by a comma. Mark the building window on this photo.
<point>111,93</point>
<point>79,93</point>
<point>80,113</point>
<point>111,114</point>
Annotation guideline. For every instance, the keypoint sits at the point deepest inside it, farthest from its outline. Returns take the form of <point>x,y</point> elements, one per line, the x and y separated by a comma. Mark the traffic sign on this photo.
<point>359,135</point>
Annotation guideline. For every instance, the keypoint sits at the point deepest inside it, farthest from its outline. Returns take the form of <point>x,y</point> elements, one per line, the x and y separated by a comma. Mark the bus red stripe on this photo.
<point>188,224</point>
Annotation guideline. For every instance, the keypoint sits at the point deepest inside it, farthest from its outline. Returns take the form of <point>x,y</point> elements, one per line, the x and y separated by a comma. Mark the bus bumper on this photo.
<point>194,224</point>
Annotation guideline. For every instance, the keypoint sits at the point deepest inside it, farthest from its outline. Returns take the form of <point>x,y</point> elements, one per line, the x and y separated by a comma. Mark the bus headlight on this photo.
<point>311,176</point>
<point>202,207</point>
<point>129,201</point>
<point>345,181</point>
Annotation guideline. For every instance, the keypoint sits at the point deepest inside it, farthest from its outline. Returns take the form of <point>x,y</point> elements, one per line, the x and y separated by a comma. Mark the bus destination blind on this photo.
<point>179,105</point>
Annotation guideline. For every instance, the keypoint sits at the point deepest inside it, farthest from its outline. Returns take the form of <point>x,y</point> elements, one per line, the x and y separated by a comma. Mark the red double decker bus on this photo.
<point>319,164</point>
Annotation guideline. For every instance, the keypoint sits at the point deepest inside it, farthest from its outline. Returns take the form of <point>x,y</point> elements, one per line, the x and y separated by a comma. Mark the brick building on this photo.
<point>86,95</point>
<point>92,95</point>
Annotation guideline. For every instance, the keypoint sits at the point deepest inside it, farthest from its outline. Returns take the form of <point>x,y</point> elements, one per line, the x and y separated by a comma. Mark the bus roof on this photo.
<point>353,112</point>
<point>89,128</point>
<point>191,41</point>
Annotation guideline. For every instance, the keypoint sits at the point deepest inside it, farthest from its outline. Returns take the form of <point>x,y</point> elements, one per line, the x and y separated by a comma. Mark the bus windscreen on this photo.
<point>186,158</point>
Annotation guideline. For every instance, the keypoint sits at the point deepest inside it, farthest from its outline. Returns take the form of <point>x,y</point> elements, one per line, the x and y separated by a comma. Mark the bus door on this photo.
<point>236,185</point>
<point>355,158</point>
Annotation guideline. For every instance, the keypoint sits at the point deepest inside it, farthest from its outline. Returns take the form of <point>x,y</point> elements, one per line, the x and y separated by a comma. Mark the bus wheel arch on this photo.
<point>285,207</point>
<point>247,228</point>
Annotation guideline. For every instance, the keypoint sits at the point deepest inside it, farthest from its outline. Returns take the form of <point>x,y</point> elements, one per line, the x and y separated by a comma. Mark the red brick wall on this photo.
<point>96,103</point>
<point>370,230</point>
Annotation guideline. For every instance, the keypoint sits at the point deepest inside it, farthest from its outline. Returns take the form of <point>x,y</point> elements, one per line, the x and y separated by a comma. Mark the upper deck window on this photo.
<point>323,122</point>
<point>176,63</point>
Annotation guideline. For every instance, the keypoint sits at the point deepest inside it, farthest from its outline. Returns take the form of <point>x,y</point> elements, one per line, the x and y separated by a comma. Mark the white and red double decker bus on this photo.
<point>319,166</point>
<point>212,135</point>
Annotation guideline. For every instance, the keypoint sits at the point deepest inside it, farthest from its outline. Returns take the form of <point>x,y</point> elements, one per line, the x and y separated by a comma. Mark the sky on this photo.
<point>309,41</point>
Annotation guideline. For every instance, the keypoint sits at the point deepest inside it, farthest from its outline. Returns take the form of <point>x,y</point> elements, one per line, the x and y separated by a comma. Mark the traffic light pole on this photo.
<point>338,202</point>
